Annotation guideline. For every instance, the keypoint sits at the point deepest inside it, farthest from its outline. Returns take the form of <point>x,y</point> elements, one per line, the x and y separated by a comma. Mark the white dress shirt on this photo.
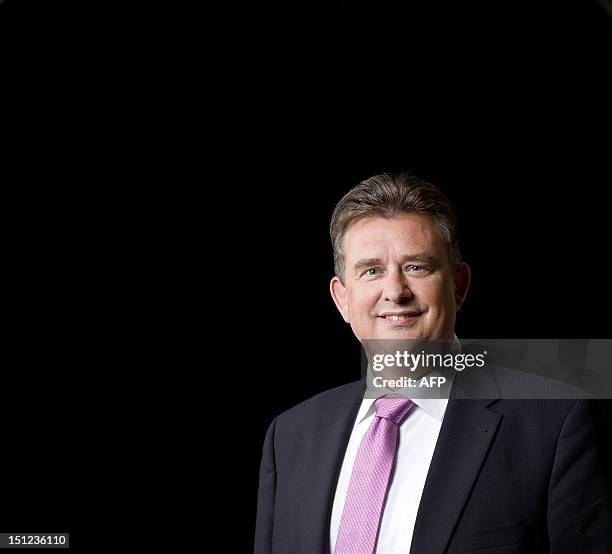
<point>417,439</point>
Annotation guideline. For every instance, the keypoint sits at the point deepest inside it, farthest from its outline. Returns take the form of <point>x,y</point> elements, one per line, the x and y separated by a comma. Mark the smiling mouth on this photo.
<point>401,318</point>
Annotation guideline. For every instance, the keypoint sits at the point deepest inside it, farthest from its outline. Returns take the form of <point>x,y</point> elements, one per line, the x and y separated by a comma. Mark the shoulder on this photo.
<point>545,407</point>
<point>524,385</point>
<point>531,404</point>
<point>323,403</point>
<point>316,413</point>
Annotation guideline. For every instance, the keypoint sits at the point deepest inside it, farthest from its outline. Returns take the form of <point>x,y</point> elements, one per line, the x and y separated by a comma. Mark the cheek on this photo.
<point>361,302</point>
<point>439,297</point>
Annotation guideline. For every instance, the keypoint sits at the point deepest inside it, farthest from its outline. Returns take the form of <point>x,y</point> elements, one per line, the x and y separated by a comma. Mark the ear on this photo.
<point>462,284</point>
<point>339,294</point>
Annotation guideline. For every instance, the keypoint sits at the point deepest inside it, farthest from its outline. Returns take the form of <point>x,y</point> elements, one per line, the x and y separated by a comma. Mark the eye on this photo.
<point>372,271</point>
<point>416,268</point>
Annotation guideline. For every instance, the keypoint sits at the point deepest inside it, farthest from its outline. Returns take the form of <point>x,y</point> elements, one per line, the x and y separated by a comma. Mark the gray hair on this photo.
<point>388,196</point>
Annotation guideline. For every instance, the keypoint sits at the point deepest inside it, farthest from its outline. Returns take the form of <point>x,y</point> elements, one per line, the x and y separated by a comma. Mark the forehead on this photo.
<point>376,236</point>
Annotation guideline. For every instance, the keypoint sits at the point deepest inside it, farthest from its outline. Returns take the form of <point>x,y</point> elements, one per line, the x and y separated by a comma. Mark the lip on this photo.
<point>406,322</point>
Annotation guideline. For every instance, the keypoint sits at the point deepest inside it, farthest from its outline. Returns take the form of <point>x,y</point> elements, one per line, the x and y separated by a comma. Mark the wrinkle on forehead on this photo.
<point>405,234</point>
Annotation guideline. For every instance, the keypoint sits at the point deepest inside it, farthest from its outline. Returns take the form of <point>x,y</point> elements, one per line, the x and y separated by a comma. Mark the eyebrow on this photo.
<point>421,257</point>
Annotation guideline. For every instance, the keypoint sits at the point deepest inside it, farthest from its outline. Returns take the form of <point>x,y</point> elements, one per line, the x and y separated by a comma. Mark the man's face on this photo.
<point>398,280</point>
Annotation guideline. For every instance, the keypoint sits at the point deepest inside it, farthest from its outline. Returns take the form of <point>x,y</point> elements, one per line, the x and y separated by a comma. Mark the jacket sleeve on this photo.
<point>265,498</point>
<point>580,495</point>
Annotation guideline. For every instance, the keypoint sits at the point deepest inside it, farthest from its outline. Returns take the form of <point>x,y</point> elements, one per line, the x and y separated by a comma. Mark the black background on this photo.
<point>149,148</point>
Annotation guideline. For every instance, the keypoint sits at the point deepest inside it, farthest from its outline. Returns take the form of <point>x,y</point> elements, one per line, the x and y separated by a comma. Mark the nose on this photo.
<point>396,289</point>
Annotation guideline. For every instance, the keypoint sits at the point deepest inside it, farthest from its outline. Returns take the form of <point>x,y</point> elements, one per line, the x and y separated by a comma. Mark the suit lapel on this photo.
<point>459,454</point>
<point>465,437</point>
<point>323,456</point>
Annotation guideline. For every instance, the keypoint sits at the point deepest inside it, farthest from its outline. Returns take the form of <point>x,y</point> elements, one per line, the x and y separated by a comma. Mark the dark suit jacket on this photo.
<point>507,476</point>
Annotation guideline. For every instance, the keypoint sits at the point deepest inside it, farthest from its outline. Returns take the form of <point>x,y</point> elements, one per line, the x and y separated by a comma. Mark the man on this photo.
<point>346,473</point>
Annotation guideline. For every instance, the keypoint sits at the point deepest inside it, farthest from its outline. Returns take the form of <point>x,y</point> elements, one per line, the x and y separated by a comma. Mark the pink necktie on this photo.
<point>370,478</point>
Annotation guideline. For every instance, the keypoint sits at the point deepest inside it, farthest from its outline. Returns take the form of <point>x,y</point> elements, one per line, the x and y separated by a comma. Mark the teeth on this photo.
<point>397,317</point>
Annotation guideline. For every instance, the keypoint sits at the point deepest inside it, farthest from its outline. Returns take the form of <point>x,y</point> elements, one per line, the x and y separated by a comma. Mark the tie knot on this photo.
<point>393,408</point>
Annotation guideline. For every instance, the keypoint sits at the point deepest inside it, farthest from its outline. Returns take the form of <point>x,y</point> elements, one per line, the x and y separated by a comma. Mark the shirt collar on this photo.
<point>435,407</point>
